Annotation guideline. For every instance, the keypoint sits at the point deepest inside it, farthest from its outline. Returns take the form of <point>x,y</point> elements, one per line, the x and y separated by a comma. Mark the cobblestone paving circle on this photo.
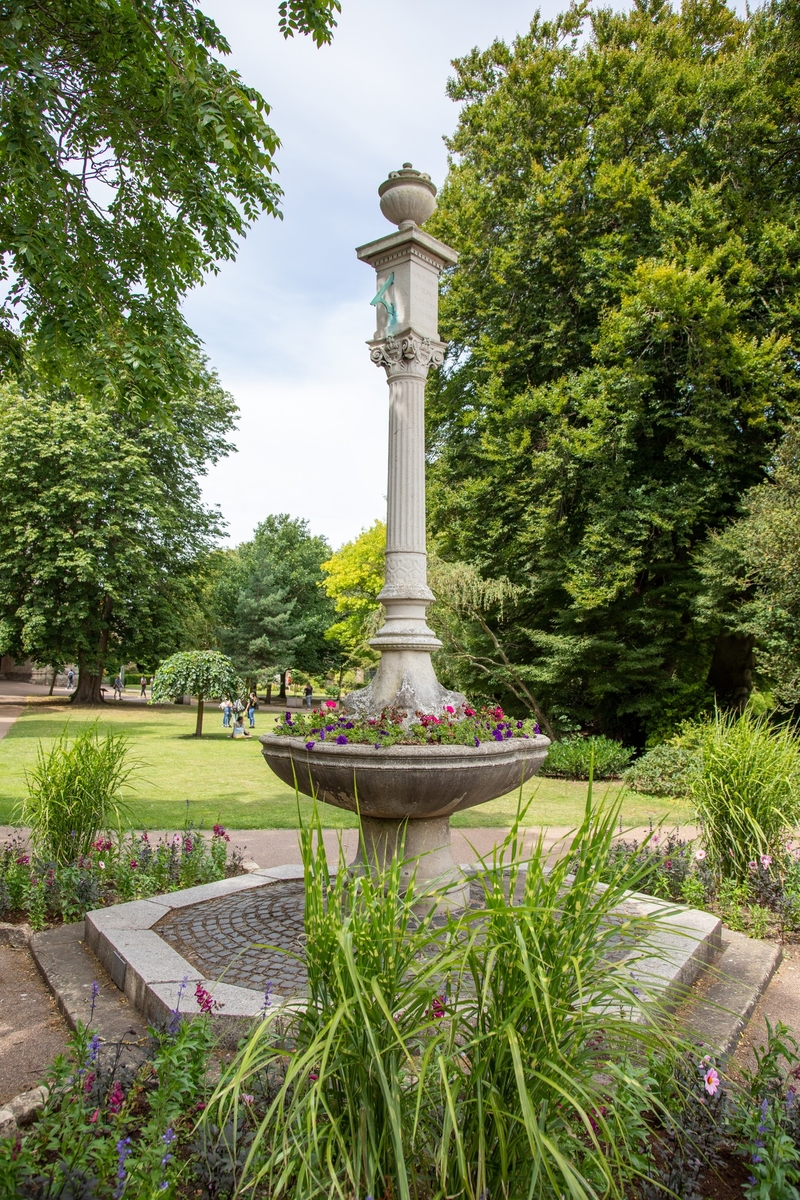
<point>228,938</point>
<point>255,938</point>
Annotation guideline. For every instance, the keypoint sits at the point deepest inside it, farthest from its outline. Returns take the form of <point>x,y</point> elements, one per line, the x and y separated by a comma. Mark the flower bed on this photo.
<point>764,905</point>
<point>463,726</point>
<point>116,869</point>
<point>416,1027</point>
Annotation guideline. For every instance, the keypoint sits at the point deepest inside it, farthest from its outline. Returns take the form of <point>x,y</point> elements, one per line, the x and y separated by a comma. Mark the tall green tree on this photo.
<point>624,196</point>
<point>131,161</point>
<point>354,576</point>
<point>206,674</point>
<point>102,526</point>
<point>273,609</point>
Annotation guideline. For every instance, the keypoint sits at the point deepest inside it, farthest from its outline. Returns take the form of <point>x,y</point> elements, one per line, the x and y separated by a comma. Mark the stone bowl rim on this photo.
<point>427,750</point>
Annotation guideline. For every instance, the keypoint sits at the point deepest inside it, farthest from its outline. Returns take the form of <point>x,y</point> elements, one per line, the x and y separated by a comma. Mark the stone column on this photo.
<point>406,344</point>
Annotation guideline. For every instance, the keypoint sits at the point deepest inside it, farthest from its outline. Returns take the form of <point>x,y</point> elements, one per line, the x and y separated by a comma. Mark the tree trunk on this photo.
<point>269,693</point>
<point>90,676</point>
<point>87,689</point>
<point>282,692</point>
<point>199,727</point>
<point>731,671</point>
<point>53,681</point>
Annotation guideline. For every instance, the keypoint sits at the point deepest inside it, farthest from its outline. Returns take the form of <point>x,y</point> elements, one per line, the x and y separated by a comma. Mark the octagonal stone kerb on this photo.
<point>149,971</point>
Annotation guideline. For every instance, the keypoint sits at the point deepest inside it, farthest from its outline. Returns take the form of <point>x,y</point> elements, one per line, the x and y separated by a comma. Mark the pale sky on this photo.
<point>285,325</point>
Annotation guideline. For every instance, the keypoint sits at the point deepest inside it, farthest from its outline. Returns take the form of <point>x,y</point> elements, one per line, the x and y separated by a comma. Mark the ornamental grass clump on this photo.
<point>74,792</point>
<point>492,1052</point>
<point>747,791</point>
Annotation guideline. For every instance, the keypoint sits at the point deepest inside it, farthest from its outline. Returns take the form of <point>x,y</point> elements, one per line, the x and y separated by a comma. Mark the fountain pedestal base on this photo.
<point>426,853</point>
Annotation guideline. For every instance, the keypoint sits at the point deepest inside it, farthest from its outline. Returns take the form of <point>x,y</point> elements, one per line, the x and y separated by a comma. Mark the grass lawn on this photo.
<point>222,780</point>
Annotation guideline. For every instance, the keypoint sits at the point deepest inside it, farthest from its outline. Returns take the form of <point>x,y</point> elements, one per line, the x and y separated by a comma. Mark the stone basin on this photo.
<point>405,782</point>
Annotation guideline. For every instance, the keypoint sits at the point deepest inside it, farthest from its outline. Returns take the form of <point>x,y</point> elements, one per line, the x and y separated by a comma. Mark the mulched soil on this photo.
<point>32,1031</point>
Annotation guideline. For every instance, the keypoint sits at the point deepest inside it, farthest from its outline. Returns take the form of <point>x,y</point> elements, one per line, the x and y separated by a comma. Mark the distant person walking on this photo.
<point>227,712</point>
<point>70,678</point>
<point>308,692</point>
<point>118,688</point>
<point>143,686</point>
<point>252,705</point>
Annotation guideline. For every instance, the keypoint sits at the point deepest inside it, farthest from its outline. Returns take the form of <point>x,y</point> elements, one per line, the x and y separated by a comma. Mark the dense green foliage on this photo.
<point>624,198</point>
<point>131,161</point>
<point>754,566</point>
<point>206,674</point>
<point>271,608</point>
<point>664,770</point>
<point>103,526</point>
<point>74,792</point>
<point>586,758</point>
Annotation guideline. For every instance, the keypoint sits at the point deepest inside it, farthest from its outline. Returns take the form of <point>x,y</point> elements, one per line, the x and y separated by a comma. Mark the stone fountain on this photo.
<point>406,794</point>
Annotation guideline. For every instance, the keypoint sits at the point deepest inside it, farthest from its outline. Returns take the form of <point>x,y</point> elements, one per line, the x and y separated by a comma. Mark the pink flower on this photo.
<point>449,708</point>
<point>313,1076</point>
<point>700,854</point>
<point>752,865</point>
<point>438,1006</point>
<point>711,1081</point>
<point>219,832</point>
<point>188,847</point>
<point>655,839</point>
<point>94,1116</point>
<point>330,704</point>
<point>176,841</point>
<point>116,1098</point>
<point>247,1098</point>
<point>205,1000</point>
<point>766,861</point>
<point>469,712</point>
<point>102,866</point>
<point>134,864</point>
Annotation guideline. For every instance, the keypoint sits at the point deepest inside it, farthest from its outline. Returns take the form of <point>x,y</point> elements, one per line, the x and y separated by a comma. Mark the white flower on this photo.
<point>102,866</point>
<point>700,854</point>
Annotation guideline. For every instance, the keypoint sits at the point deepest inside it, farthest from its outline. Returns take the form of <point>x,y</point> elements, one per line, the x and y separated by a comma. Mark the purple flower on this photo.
<point>123,1150</point>
<point>348,724</point>
<point>477,741</point>
<point>341,740</point>
<point>309,745</point>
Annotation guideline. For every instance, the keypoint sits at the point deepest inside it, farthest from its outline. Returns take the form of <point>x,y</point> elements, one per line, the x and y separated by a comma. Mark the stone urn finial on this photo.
<point>407,197</point>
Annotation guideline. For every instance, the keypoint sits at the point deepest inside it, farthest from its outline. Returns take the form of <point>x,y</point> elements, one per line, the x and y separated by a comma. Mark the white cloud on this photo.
<point>286,324</point>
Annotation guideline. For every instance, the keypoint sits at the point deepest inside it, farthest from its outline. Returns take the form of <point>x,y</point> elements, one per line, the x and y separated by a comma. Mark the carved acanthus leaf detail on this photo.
<point>408,353</point>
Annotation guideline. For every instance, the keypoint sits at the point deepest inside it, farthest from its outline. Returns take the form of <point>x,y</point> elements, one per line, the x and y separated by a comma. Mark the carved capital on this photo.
<point>407,354</point>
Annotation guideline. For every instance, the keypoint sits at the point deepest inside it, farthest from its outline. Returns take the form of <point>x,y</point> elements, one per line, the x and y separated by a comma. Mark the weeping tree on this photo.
<point>201,673</point>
